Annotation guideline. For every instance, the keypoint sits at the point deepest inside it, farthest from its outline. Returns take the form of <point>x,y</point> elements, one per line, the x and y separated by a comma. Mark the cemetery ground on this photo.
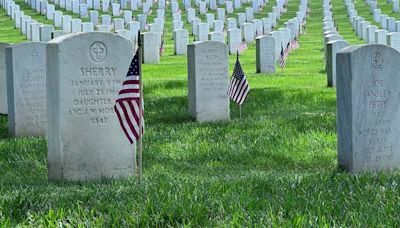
<point>277,165</point>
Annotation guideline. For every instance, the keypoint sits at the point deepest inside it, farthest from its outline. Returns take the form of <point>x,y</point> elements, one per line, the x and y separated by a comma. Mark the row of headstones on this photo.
<point>49,10</point>
<point>386,22</point>
<point>68,24</point>
<point>333,42</point>
<point>267,54</point>
<point>249,27</point>
<point>269,47</point>
<point>388,34</point>
<point>365,79</point>
<point>265,63</point>
<point>39,32</point>
<point>70,114</point>
<point>93,66</point>
<point>27,79</point>
<point>367,108</point>
<point>75,25</point>
<point>246,33</point>
<point>65,89</point>
<point>36,31</point>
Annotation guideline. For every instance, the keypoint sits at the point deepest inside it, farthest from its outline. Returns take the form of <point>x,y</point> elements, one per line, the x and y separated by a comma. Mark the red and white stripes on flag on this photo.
<point>238,87</point>
<point>282,57</point>
<point>295,44</point>
<point>162,48</point>
<point>242,47</point>
<point>127,105</point>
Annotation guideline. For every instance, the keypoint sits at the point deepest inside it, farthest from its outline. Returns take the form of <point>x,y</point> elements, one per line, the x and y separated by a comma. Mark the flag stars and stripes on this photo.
<point>238,87</point>
<point>282,57</point>
<point>127,106</point>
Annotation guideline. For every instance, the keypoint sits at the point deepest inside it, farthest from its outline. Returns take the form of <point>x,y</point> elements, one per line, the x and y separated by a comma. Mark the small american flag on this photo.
<point>162,48</point>
<point>238,87</point>
<point>243,46</point>
<point>282,58</point>
<point>127,105</point>
<point>287,49</point>
<point>295,44</point>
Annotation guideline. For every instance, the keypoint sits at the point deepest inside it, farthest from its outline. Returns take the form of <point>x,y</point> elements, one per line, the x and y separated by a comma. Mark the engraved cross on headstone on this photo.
<point>377,59</point>
<point>34,55</point>
<point>98,51</point>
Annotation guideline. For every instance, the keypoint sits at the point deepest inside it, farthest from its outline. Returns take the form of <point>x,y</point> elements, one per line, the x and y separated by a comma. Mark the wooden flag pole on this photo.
<point>140,146</point>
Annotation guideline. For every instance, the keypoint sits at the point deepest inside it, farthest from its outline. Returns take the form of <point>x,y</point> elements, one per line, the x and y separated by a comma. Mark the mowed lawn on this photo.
<point>276,166</point>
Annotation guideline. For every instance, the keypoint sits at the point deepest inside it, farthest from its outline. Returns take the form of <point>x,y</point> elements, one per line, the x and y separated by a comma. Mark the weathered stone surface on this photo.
<point>26,89</point>
<point>45,32</point>
<point>85,141</point>
<point>181,40</point>
<point>216,36</point>
<point>202,31</point>
<point>368,107</point>
<point>208,81</point>
<point>380,36</point>
<point>247,32</point>
<point>265,54</point>
<point>393,40</point>
<point>3,81</point>
<point>332,48</point>
<point>371,34</point>
<point>234,40</point>
<point>151,47</point>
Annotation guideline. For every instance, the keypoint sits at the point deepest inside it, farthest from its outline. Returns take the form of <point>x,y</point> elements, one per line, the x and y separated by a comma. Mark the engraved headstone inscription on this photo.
<point>208,81</point>
<point>26,89</point>
<point>368,108</point>
<point>265,54</point>
<point>85,141</point>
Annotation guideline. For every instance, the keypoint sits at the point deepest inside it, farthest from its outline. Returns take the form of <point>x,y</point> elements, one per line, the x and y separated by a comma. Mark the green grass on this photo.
<point>277,166</point>
<point>386,8</point>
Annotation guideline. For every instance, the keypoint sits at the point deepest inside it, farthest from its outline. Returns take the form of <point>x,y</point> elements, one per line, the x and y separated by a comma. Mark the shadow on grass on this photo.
<point>271,116</point>
<point>3,127</point>
<point>264,102</point>
<point>273,122</point>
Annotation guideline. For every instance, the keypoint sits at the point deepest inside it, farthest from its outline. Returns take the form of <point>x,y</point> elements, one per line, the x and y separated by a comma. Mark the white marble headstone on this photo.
<point>151,47</point>
<point>87,72</point>
<point>265,54</point>
<point>3,81</point>
<point>208,69</point>
<point>26,89</point>
<point>333,47</point>
<point>367,108</point>
<point>181,40</point>
<point>234,40</point>
<point>393,40</point>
